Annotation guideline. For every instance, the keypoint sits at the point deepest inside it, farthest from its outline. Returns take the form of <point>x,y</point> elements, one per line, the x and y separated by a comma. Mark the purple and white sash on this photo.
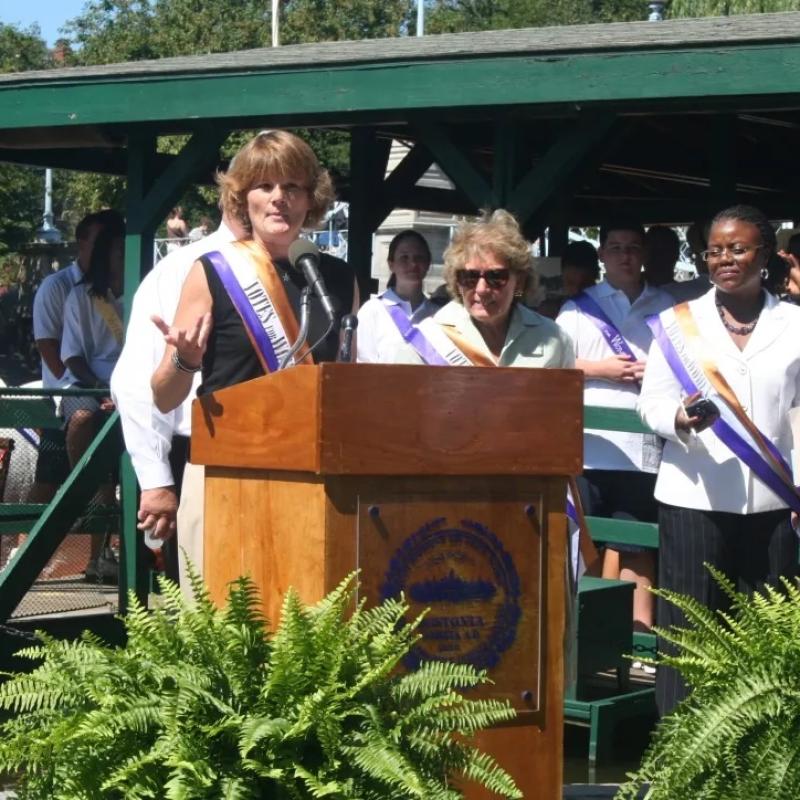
<point>615,340</point>
<point>728,428</point>
<point>428,339</point>
<point>250,299</point>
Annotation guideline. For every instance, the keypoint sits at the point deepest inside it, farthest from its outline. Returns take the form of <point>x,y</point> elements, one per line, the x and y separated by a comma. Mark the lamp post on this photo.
<point>656,9</point>
<point>420,17</point>
<point>48,232</point>
<point>275,23</point>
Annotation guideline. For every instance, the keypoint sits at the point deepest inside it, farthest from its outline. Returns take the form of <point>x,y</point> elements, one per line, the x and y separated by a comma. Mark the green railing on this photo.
<point>71,510</point>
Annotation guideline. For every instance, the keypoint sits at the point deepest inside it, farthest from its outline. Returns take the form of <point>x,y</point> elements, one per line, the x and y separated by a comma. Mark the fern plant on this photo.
<point>737,735</point>
<point>203,703</point>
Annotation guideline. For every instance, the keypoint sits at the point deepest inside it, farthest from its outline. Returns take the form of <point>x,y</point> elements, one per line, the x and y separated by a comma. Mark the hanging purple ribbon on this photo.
<point>616,341</point>
<point>414,336</point>
<point>246,311</point>
<point>734,441</point>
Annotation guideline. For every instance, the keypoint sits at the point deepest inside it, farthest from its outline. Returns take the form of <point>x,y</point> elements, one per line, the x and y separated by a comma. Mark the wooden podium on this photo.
<point>447,483</point>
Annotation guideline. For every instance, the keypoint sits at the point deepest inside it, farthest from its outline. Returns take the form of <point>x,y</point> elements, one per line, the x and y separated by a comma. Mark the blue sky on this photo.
<point>50,15</point>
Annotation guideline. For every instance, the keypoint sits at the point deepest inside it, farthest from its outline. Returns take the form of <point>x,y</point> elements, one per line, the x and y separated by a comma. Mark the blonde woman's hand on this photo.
<point>191,343</point>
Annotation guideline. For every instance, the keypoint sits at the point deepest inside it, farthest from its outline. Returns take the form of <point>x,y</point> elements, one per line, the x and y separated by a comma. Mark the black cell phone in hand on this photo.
<point>703,409</point>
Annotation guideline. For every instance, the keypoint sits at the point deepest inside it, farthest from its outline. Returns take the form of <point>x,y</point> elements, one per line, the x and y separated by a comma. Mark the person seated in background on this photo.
<point>606,324</point>
<point>487,267</point>
<point>580,268</point>
<point>91,344</point>
<point>384,321</point>
<point>52,465</point>
<point>662,249</point>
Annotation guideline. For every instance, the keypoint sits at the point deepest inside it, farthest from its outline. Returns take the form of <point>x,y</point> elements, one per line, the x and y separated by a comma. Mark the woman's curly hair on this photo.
<point>496,233</point>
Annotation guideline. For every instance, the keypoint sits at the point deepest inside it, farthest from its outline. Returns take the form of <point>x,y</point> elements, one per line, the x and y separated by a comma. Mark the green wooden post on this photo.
<point>368,159</point>
<point>507,166</point>
<point>150,195</point>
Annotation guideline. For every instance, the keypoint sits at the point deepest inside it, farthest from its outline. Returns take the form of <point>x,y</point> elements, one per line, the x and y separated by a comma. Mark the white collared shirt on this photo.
<point>86,333</point>
<point>148,433</point>
<point>377,335</point>
<point>614,450</point>
<point>698,470</point>
<point>48,316</point>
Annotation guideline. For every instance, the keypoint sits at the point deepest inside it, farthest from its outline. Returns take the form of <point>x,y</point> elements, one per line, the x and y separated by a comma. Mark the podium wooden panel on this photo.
<point>449,482</point>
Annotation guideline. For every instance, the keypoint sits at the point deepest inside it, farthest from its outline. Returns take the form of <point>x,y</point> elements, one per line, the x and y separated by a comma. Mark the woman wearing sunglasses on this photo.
<point>487,267</point>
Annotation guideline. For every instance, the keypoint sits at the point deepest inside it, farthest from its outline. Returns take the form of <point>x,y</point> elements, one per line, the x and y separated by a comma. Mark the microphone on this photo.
<point>348,328</point>
<point>303,255</point>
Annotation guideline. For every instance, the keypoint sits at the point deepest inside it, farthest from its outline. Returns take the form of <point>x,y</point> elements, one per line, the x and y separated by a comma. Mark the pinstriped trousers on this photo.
<point>753,550</point>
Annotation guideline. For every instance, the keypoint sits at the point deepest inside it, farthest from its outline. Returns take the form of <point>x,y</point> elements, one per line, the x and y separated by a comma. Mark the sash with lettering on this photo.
<point>109,314</point>
<point>589,307</point>
<point>691,361</point>
<point>257,294</point>
<point>438,344</point>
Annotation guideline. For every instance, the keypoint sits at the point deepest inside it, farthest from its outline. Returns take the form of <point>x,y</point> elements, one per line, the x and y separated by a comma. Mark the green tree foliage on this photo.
<point>715,8</point>
<point>337,20</point>
<point>737,735</point>
<point>475,15</point>
<point>202,703</point>
<point>21,188</point>
<point>22,49</point>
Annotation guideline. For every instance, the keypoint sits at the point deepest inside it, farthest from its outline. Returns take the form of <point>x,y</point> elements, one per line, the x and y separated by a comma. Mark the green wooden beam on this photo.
<point>766,74</point>
<point>401,180</point>
<point>565,159</point>
<point>70,502</point>
<point>507,165</point>
<point>454,163</point>
<point>368,159</point>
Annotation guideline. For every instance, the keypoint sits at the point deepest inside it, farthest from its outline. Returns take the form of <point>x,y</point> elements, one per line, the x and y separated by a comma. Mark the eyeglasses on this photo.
<point>737,251</point>
<point>495,278</point>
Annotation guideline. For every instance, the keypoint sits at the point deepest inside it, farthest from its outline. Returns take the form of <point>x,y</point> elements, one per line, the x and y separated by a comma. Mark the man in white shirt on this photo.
<point>52,466</point>
<point>619,468</point>
<point>158,443</point>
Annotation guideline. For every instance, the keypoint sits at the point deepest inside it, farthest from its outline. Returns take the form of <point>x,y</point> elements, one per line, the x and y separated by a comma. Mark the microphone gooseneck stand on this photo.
<point>305,302</point>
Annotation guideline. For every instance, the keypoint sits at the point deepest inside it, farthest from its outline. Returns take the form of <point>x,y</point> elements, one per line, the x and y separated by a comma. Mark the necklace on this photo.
<point>739,330</point>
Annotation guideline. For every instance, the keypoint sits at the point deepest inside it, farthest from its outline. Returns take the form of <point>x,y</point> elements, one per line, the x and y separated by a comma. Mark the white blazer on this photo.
<point>697,470</point>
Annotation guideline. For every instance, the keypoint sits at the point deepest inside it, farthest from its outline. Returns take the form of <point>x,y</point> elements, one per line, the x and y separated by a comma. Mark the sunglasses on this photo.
<point>495,278</point>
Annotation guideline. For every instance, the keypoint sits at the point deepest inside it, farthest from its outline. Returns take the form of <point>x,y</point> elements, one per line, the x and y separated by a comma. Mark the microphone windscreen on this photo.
<point>300,248</point>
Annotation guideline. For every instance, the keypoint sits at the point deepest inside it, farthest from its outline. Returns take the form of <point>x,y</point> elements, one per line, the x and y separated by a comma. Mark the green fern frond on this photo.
<point>737,736</point>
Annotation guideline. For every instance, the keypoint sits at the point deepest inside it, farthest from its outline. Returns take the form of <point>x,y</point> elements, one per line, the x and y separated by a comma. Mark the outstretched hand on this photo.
<point>190,343</point>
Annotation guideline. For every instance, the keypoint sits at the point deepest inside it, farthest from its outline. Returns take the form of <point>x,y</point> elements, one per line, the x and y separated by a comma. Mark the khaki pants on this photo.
<point>190,524</point>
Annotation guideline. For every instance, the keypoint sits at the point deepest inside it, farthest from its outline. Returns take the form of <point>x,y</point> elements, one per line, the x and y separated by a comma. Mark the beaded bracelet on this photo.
<point>181,365</point>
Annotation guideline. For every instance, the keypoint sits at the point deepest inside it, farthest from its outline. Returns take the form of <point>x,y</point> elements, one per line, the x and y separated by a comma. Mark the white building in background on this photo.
<point>435,227</point>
